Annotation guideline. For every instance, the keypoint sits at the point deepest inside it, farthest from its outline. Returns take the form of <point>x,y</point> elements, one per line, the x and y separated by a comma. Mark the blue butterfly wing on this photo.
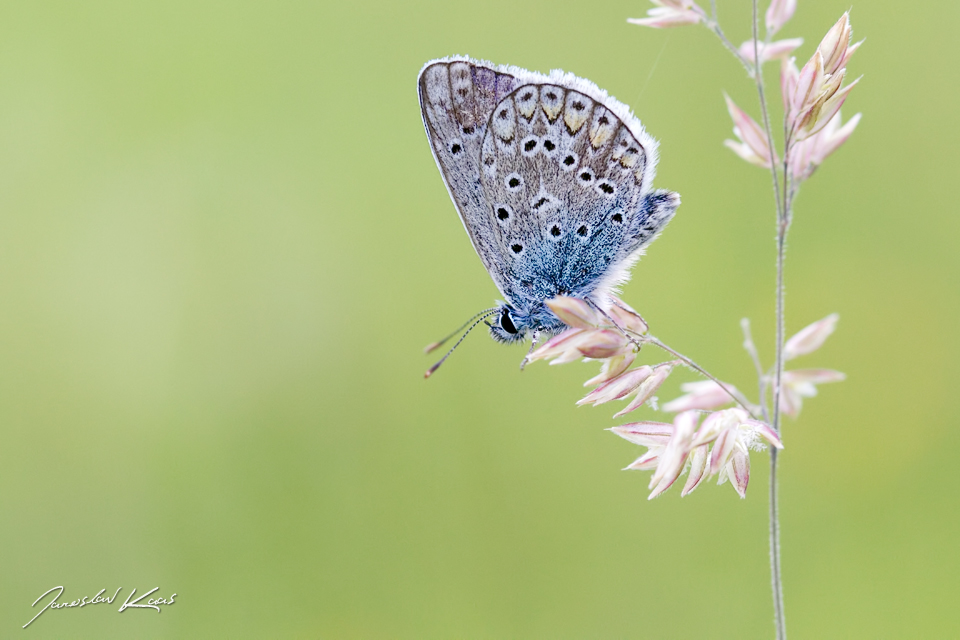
<point>551,177</point>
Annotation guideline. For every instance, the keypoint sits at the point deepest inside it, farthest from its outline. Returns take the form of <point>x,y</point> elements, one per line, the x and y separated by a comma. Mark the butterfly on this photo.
<point>552,179</point>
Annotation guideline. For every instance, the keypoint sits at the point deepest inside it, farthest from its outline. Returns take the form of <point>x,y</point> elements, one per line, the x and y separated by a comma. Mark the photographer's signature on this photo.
<point>152,603</point>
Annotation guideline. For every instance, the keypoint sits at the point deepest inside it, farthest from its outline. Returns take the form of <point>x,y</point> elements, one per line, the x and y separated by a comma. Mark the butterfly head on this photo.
<point>513,324</point>
<point>508,325</point>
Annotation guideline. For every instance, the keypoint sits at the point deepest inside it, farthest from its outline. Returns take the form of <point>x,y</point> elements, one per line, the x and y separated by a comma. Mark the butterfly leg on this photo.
<point>533,345</point>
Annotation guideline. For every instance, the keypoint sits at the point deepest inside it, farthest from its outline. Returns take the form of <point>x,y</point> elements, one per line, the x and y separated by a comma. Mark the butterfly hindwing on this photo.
<point>564,180</point>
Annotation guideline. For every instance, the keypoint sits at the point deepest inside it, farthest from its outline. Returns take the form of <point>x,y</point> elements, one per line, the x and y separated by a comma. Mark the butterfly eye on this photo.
<point>506,323</point>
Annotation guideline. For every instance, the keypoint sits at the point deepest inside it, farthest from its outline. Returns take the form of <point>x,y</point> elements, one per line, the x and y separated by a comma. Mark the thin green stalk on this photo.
<point>783,222</point>
<point>775,578</point>
<point>634,337</point>
<point>713,24</point>
<point>783,202</point>
<point>733,393</point>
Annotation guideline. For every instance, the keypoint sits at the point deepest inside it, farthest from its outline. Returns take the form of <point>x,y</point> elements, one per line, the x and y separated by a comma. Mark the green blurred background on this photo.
<point>224,242</point>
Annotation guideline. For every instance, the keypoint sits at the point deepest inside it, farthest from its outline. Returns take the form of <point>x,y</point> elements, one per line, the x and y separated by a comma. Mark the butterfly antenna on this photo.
<point>436,345</point>
<point>483,316</point>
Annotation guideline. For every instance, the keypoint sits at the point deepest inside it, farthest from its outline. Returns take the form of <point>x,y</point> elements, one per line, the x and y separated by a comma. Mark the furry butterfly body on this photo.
<point>552,179</point>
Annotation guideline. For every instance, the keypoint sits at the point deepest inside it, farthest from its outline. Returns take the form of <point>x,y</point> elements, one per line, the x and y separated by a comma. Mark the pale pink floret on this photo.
<point>765,431</point>
<point>702,394</point>
<point>592,335</point>
<point>603,343</point>
<point>574,312</point>
<point>561,348</point>
<point>611,368</point>
<point>815,96</point>
<point>670,13</point>
<point>723,448</point>
<point>789,77</point>
<point>829,108</point>
<point>808,154</point>
<point>737,471</point>
<point>646,434</point>
<point>779,13</point>
<point>810,338</point>
<point>807,92</point>
<point>850,51</point>
<point>774,51</point>
<point>752,146</point>
<point>646,462</point>
<point>834,45</point>
<point>653,435</point>
<point>647,388</point>
<point>735,419</point>
<point>626,318</point>
<point>671,448</point>
<point>698,469</point>
<point>736,435</point>
<point>674,455</point>
<point>833,136</point>
<point>618,387</point>
<point>802,383</point>
<point>712,426</point>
